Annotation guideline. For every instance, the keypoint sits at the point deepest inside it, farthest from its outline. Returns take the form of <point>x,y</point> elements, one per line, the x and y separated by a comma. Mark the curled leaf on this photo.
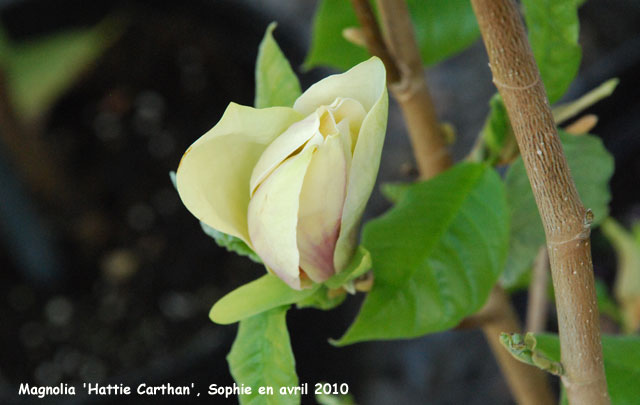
<point>524,350</point>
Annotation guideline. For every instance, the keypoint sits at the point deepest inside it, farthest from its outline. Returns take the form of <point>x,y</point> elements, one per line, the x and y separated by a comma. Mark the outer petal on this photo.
<point>364,82</point>
<point>362,175</point>
<point>321,202</point>
<point>213,175</point>
<point>273,216</point>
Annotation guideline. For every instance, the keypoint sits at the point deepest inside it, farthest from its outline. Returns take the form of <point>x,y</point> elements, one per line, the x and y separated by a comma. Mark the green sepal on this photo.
<point>276,83</point>
<point>255,297</point>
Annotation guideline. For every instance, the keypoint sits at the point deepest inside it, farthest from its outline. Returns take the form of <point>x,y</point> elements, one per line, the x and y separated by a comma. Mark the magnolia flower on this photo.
<point>292,183</point>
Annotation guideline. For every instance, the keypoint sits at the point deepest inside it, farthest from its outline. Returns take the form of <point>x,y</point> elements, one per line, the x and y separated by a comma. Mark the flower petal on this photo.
<point>350,111</point>
<point>214,173</point>
<point>321,201</point>
<point>273,216</point>
<point>282,147</point>
<point>362,177</point>
<point>364,83</point>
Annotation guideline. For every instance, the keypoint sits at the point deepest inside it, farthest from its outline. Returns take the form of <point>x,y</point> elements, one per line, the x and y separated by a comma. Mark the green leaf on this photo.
<point>276,83</point>
<point>329,399</point>
<point>442,28</point>
<point>621,364</point>
<point>328,47</point>
<point>39,71</point>
<point>591,168</point>
<point>627,286</point>
<point>229,242</point>
<point>261,356</point>
<point>497,126</point>
<point>255,297</point>
<point>497,134</point>
<point>436,255</point>
<point>568,110</point>
<point>394,192</point>
<point>553,32</point>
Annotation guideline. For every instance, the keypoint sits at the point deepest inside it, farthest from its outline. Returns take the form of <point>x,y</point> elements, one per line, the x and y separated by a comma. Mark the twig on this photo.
<point>373,38</point>
<point>565,219</point>
<point>406,80</point>
<point>528,385</point>
<point>537,304</point>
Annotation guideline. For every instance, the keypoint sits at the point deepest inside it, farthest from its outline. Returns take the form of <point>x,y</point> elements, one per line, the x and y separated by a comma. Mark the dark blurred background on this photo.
<point>105,276</point>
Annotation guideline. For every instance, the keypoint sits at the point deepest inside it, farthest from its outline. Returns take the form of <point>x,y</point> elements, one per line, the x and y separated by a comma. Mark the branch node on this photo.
<point>406,87</point>
<point>498,83</point>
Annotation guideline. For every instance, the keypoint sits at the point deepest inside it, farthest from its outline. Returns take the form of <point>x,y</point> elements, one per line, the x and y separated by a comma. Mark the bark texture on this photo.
<point>565,219</point>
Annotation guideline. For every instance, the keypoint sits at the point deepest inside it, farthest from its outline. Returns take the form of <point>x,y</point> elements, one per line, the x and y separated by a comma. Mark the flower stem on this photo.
<point>565,219</point>
<point>399,52</point>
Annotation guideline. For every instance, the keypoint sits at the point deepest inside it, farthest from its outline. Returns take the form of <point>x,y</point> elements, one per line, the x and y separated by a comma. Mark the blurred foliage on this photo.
<point>627,285</point>
<point>562,112</point>
<point>41,70</point>
<point>442,29</point>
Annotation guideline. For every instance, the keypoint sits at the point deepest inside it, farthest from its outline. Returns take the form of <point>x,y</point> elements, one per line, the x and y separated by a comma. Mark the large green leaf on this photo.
<point>591,168</point>
<point>261,356</point>
<point>436,255</point>
<point>39,71</point>
<point>621,364</point>
<point>442,28</point>
<point>276,83</point>
<point>553,32</point>
<point>255,297</point>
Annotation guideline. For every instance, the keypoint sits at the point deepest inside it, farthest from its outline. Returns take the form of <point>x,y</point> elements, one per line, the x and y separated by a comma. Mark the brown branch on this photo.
<point>566,221</point>
<point>401,57</point>
<point>528,385</point>
<point>537,304</point>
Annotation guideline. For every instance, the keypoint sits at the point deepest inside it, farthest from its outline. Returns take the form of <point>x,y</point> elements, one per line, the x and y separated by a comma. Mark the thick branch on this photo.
<point>565,219</point>
<point>537,304</point>
<point>401,57</point>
